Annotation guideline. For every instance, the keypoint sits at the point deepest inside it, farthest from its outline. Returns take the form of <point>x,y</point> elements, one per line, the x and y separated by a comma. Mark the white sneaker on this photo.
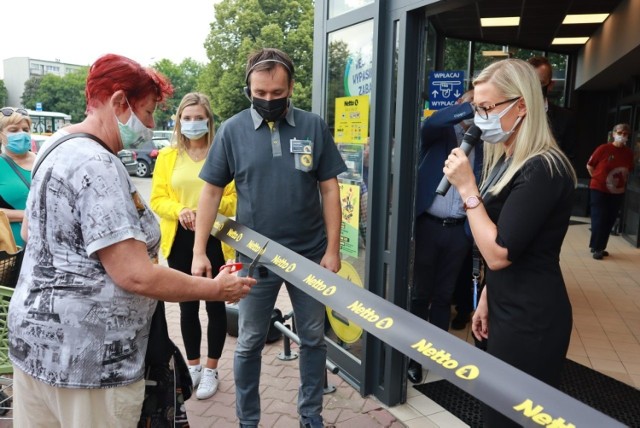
<point>208,384</point>
<point>196,373</point>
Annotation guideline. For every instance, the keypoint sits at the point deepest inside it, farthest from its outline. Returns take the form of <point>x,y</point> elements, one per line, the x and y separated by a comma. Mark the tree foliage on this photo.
<point>30,95</point>
<point>243,26</point>
<point>338,57</point>
<point>64,94</point>
<point>4,94</point>
<point>184,78</point>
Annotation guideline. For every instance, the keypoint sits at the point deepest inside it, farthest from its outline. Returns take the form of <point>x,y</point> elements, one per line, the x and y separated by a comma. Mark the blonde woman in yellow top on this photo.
<point>174,197</point>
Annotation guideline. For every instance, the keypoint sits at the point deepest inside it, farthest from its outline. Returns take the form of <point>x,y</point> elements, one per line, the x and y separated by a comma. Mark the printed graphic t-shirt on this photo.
<point>69,324</point>
<point>611,168</point>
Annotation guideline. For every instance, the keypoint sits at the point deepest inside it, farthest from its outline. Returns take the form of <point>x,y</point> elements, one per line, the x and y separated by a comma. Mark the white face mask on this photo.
<point>134,132</point>
<point>491,127</point>
<point>620,139</point>
<point>194,129</point>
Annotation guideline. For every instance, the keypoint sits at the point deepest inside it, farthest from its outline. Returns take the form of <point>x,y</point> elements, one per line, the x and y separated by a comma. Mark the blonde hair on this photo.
<point>515,78</point>
<point>192,99</point>
<point>14,119</point>
<point>621,127</point>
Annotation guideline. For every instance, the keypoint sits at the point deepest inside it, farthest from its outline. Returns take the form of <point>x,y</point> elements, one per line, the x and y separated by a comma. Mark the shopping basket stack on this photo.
<point>9,270</point>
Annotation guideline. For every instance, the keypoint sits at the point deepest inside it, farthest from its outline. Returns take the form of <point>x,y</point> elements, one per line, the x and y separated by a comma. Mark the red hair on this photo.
<point>111,73</point>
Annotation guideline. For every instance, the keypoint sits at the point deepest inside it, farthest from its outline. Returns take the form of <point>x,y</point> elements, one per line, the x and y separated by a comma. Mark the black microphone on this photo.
<point>469,140</point>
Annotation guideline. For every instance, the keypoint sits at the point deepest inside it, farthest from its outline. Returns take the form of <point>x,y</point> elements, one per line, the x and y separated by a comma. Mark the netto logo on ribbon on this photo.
<point>540,418</point>
<point>235,235</point>
<point>283,264</point>
<point>217,225</point>
<point>254,246</point>
<point>443,358</point>
<point>318,284</point>
<point>369,314</point>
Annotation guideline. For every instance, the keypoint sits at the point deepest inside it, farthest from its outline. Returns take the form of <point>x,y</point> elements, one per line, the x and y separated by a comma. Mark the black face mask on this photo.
<point>271,110</point>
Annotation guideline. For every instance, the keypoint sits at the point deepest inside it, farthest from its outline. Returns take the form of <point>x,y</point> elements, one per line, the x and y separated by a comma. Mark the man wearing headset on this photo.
<point>273,145</point>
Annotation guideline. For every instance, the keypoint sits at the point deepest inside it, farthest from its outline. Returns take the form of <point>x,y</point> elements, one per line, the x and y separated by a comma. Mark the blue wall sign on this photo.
<point>445,87</point>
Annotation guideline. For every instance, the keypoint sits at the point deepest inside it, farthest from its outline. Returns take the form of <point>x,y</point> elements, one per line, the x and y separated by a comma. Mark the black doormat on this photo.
<point>603,393</point>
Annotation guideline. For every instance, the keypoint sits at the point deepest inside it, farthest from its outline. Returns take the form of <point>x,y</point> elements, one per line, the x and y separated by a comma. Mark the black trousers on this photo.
<point>463,294</point>
<point>180,259</point>
<point>604,211</point>
<point>440,254</point>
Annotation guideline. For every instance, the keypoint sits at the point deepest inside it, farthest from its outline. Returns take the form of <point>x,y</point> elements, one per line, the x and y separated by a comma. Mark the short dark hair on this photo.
<point>268,59</point>
<point>539,61</point>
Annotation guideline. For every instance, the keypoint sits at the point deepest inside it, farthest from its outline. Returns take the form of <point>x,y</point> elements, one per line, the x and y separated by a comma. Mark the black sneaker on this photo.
<point>598,255</point>
<point>414,372</point>
<point>605,253</point>
<point>459,322</point>
<point>315,424</point>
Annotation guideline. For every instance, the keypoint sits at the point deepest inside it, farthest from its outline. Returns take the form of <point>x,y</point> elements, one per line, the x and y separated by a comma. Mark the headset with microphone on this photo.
<point>247,90</point>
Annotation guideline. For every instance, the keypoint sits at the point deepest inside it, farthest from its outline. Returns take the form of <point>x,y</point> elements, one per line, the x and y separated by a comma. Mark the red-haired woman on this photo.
<point>80,315</point>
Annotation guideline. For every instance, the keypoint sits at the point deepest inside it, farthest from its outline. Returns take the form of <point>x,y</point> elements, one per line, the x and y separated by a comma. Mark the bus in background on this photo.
<point>47,122</point>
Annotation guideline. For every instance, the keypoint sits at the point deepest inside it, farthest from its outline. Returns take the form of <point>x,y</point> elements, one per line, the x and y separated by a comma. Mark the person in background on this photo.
<point>174,197</point>
<point>79,318</point>
<point>519,218</point>
<point>16,162</point>
<point>441,241</point>
<point>562,120</point>
<point>609,167</point>
<point>273,145</point>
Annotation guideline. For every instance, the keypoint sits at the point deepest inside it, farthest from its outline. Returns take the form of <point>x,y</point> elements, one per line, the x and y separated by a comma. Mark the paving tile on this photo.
<point>221,411</point>
<point>383,417</point>
<point>445,419</point>
<point>281,407</point>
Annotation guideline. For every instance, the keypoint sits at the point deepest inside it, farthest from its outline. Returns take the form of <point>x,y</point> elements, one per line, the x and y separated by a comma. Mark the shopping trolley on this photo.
<point>9,270</point>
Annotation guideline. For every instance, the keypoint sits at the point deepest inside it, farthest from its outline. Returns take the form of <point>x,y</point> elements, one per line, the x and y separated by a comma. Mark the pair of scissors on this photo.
<point>236,266</point>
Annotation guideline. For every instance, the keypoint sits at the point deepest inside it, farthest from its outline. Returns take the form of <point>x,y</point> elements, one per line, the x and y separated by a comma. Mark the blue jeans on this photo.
<point>254,316</point>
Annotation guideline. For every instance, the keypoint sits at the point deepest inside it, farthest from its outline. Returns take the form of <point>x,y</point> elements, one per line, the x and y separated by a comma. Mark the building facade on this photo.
<point>18,70</point>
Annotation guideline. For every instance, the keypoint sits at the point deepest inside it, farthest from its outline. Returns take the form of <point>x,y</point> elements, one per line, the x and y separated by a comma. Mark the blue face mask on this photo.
<point>194,129</point>
<point>134,132</point>
<point>18,142</point>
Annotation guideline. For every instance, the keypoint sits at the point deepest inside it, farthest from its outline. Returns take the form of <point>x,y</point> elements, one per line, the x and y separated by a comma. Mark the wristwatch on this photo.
<point>472,202</point>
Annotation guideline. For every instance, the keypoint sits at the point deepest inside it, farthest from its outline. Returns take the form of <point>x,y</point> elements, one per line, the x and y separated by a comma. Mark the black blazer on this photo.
<point>563,126</point>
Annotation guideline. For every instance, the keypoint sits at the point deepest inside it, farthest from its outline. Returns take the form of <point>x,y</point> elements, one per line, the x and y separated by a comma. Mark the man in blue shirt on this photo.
<point>442,243</point>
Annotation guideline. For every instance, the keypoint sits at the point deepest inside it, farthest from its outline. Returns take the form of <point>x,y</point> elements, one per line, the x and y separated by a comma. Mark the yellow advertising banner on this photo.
<point>350,203</point>
<point>352,119</point>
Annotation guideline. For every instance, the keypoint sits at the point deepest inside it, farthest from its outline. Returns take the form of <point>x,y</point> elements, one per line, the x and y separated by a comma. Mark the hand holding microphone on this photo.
<point>469,140</point>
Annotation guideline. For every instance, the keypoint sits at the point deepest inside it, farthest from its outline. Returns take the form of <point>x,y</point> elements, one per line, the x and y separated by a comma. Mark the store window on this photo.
<point>338,7</point>
<point>349,85</point>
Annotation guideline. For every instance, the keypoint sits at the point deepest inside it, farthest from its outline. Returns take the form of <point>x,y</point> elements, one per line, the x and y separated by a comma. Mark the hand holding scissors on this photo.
<point>233,266</point>
<point>236,266</point>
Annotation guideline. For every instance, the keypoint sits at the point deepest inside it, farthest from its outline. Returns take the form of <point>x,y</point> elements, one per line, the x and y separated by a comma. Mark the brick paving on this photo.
<point>278,389</point>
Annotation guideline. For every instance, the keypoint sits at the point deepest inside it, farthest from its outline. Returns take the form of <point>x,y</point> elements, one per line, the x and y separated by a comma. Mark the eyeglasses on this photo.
<point>483,112</point>
<point>8,111</point>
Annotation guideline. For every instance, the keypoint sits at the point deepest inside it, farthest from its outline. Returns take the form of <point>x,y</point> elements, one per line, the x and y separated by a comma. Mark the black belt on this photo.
<point>446,222</point>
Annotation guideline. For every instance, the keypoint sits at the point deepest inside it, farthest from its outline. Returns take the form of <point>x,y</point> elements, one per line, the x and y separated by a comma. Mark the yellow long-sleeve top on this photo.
<point>167,199</point>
